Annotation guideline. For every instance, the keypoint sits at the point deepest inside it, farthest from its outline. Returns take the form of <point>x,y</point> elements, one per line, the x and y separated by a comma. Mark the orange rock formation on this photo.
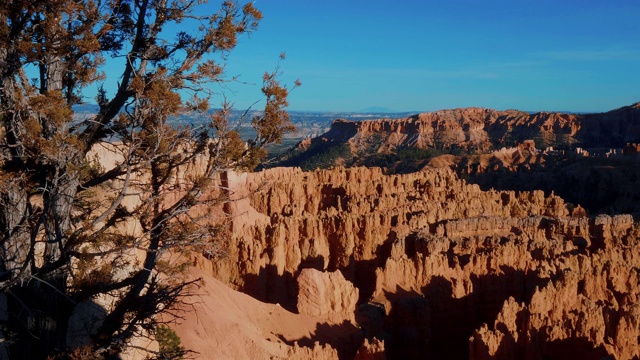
<point>353,263</point>
<point>480,130</point>
<point>442,268</point>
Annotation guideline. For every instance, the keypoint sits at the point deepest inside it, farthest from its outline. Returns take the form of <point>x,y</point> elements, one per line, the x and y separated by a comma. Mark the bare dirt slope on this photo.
<point>222,323</point>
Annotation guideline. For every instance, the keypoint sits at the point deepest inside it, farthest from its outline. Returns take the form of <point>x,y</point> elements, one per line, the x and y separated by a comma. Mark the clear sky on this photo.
<point>423,55</point>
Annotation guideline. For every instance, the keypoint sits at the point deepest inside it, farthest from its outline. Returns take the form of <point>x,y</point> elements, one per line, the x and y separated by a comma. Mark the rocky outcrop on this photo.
<point>442,268</point>
<point>346,263</point>
<point>371,350</point>
<point>588,308</point>
<point>600,183</point>
<point>505,159</point>
<point>326,295</point>
<point>317,351</point>
<point>220,323</point>
<point>344,219</point>
<point>469,128</point>
<point>539,286</point>
<point>302,239</point>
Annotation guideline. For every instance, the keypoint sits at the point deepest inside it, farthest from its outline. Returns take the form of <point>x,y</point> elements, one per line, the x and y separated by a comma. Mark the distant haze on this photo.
<point>378,109</point>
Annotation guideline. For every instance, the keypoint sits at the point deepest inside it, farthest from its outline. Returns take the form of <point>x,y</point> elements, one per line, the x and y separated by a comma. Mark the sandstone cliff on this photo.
<point>326,295</point>
<point>356,263</point>
<point>570,285</point>
<point>474,130</point>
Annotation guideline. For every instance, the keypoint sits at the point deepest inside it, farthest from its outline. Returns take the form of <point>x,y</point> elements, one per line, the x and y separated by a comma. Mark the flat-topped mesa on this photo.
<point>342,130</point>
<point>470,119</point>
<point>410,125</point>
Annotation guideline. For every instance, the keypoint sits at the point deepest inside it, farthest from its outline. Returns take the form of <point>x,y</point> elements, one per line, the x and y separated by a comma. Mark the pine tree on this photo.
<point>61,210</point>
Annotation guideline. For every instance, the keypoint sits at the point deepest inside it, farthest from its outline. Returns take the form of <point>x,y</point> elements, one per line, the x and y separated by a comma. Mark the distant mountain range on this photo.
<point>467,128</point>
<point>309,123</point>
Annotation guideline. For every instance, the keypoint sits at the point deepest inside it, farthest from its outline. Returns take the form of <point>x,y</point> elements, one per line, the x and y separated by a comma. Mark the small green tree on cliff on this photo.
<point>62,244</point>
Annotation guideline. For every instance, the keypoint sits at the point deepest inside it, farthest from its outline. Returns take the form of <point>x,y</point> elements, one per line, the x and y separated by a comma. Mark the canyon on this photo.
<point>567,154</point>
<point>354,263</point>
<point>469,257</point>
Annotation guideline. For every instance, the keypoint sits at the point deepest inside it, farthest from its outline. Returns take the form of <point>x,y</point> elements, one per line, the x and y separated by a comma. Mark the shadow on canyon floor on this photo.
<point>600,185</point>
<point>271,287</point>
<point>345,338</point>
<point>437,324</point>
<point>575,348</point>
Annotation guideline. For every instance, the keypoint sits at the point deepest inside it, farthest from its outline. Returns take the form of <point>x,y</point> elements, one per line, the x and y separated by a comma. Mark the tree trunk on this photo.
<point>58,204</point>
<point>15,244</point>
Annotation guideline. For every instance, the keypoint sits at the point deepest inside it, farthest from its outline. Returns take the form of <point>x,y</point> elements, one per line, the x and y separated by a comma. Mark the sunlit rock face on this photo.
<point>475,129</point>
<point>353,263</point>
<point>284,220</point>
<point>466,130</point>
<point>440,268</point>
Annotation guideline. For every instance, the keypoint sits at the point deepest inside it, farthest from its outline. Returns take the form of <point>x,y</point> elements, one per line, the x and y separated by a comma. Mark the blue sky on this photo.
<point>572,55</point>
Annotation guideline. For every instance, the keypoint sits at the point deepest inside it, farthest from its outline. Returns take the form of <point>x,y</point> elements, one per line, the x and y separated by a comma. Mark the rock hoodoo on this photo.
<point>346,219</point>
<point>356,263</point>
<point>426,265</point>
<point>326,295</point>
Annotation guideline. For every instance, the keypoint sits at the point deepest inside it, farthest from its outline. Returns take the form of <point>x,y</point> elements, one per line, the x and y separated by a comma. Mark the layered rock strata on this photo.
<point>480,129</point>
<point>421,265</point>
